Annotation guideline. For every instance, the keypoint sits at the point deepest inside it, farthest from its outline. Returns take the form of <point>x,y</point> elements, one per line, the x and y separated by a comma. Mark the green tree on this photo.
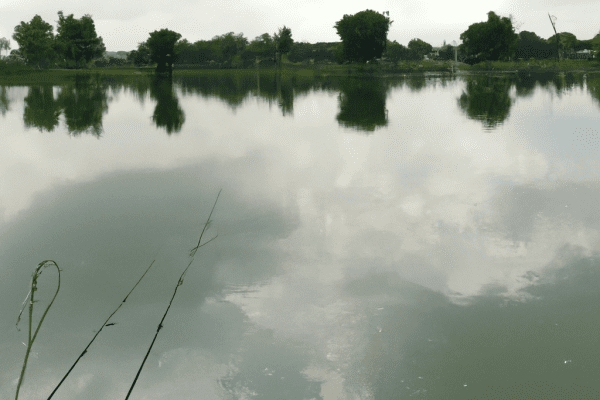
<point>182,47</point>
<point>396,52</point>
<point>364,35</point>
<point>492,40</point>
<point>141,56</point>
<point>583,45</point>
<point>262,43</point>
<point>566,43</point>
<point>529,45</point>
<point>162,49</point>
<point>15,58</point>
<point>226,48</point>
<point>446,52</point>
<point>283,42</point>
<point>261,48</point>
<point>419,48</point>
<point>77,40</point>
<point>300,51</point>
<point>35,39</point>
<point>595,41</point>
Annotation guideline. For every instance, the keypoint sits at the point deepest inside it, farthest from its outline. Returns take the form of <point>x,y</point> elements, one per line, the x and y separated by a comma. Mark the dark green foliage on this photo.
<point>162,49</point>
<point>595,42</point>
<point>364,35</point>
<point>396,52</point>
<point>141,56</point>
<point>200,52</point>
<point>77,41</point>
<point>300,51</point>
<point>109,62</point>
<point>263,44</point>
<point>419,48</point>
<point>36,41</point>
<point>492,40</point>
<point>15,58</point>
<point>529,45</point>
<point>566,43</point>
<point>263,47</point>
<point>225,48</point>
<point>283,40</point>
<point>446,53</point>
<point>583,45</point>
<point>318,52</point>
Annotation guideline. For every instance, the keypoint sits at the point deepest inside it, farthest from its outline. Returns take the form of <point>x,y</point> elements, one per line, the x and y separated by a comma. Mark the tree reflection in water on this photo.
<point>167,113</point>
<point>486,99</point>
<point>362,104</point>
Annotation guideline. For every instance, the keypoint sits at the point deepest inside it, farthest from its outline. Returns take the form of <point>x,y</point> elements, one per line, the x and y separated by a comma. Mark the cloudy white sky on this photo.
<point>122,24</point>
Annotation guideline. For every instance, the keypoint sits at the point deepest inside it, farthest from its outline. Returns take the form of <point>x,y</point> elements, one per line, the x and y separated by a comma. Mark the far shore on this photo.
<point>27,75</point>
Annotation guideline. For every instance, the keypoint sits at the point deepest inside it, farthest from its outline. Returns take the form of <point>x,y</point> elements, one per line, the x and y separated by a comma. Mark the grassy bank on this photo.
<point>535,66</point>
<point>25,75</point>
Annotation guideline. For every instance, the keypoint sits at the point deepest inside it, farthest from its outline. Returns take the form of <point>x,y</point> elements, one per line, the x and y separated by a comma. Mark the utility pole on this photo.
<point>557,37</point>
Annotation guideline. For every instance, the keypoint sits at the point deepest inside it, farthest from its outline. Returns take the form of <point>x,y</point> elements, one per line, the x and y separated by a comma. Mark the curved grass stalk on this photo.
<point>179,283</point>
<point>98,332</point>
<point>30,296</point>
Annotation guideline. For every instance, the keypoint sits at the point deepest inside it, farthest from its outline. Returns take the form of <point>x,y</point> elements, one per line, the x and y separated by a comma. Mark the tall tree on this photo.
<point>492,40</point>
<point>396,52</point>
<point>35,39</point>
<point>4,45</point>
<point>141,56</point>
<point>364,35</point>
<point>162,49</point>
<point>77,40</point>
<point>300,51</point>
<point>529,45</point>
<point>227,47</point>
<point>566,42</point>
<point>419,48</point>
<point>596,44</point>
<point>283,42</point>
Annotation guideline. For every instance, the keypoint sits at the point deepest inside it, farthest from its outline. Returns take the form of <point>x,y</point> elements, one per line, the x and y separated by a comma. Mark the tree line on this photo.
<point>363,39</point>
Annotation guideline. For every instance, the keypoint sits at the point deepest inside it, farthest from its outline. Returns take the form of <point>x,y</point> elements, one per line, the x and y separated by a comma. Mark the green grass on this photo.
<point>535,66</point>
<point>26,75</point>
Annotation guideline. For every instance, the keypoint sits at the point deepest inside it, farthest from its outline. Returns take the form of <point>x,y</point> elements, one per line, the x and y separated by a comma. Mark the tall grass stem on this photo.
<point>179,283</point>
<point>31,295</point>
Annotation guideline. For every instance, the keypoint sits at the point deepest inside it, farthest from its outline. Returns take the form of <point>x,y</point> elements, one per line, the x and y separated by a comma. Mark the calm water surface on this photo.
<point>412,237</point>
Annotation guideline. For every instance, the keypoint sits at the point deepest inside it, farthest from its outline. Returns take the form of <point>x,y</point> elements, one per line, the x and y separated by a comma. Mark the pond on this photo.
<point>431,236</point>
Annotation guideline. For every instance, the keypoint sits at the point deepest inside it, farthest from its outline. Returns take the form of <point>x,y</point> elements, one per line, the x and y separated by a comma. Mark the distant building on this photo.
<point>582,54</point>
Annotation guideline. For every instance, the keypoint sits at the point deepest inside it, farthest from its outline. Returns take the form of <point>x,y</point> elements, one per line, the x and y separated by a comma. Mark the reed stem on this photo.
<point>31,295</point>
<point>179,283</point>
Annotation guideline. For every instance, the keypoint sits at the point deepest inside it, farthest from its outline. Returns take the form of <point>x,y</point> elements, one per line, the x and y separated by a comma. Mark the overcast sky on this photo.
<point>122,24</point>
